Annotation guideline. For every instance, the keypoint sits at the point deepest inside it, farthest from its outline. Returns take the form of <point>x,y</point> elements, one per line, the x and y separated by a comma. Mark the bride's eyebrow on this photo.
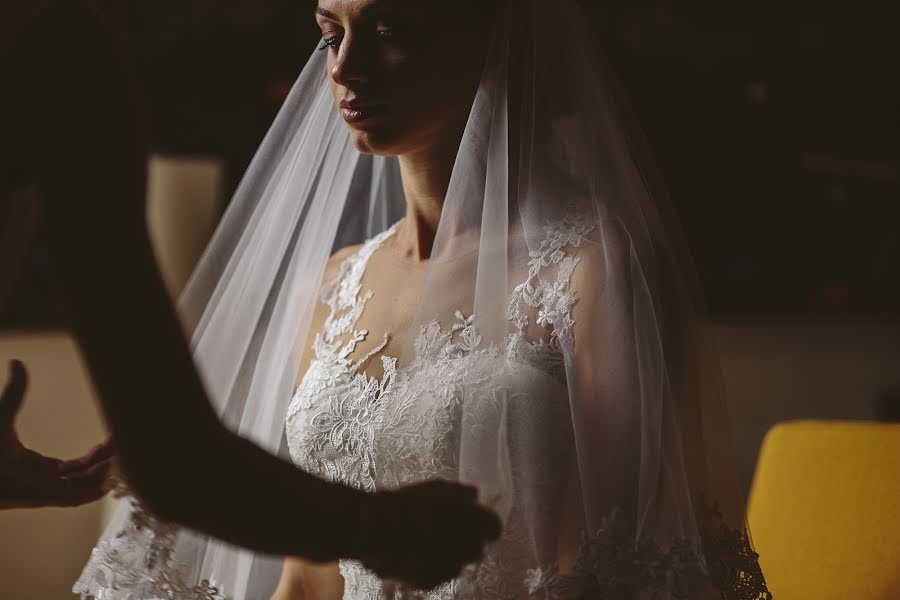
<point>326,13</point>
<point>375,9</point>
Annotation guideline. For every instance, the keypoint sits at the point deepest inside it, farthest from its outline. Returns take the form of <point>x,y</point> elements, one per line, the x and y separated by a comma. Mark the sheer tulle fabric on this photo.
<point>554,253</point>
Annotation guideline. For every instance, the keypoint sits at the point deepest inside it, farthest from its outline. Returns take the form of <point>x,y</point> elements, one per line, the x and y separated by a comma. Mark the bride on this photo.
<point>451,259</point>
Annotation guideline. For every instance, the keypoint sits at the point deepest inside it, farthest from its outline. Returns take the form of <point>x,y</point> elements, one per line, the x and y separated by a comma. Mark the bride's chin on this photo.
<point>376,143</point>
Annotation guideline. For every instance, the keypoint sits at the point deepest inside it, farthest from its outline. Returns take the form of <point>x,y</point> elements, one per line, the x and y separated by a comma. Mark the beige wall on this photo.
<point>183,206</point>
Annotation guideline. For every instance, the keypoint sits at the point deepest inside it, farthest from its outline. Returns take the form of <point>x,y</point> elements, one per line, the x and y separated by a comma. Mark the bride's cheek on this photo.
<point>398,64</point>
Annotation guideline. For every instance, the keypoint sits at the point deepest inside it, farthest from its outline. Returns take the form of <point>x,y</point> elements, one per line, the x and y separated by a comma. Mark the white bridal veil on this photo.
<point>554,250</point>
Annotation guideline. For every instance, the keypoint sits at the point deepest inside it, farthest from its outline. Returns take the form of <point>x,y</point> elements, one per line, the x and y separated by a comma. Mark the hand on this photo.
<point>424,534</point>
<point>30,480</point>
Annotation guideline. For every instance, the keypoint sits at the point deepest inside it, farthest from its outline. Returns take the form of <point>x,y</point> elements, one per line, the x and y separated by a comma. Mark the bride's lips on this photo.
<point>356,113</point>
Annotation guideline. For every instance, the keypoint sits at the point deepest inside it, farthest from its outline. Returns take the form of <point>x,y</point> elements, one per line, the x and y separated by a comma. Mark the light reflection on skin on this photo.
<point>410,68</point>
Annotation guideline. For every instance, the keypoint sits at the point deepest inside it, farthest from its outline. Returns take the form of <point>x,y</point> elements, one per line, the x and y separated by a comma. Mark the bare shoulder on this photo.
<point>333,266</point>
<point>342,254</point>
<point>603,267</point>
<point>605,251</point>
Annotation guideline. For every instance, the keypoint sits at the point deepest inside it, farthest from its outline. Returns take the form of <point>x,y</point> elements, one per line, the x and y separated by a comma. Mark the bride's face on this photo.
<point>403,73</point>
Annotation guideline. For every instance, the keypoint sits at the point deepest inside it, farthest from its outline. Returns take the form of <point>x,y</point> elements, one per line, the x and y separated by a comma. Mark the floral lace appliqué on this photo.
<point>138,564</point>
<point>609,563</point>
<point>549,296</point>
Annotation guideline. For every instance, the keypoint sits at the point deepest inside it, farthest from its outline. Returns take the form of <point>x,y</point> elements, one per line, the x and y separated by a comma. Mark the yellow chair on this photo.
<point>825,511</point>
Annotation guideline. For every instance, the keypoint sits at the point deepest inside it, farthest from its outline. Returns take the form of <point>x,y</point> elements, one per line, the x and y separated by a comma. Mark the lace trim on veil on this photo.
<point>138,563</point>
<point>608,564</point>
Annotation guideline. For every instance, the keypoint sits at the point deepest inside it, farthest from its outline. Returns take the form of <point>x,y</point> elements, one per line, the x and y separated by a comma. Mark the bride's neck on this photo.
<point>426,178</point>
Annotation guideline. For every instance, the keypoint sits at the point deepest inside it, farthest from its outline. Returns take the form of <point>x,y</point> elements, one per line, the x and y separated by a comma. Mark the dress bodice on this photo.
<point>443,415</point>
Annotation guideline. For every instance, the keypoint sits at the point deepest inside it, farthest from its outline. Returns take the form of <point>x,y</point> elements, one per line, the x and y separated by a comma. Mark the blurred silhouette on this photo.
<point>73,147</point>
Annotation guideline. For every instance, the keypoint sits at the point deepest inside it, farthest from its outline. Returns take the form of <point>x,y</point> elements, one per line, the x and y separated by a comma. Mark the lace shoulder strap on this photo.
<point>546,290</point>
<point>345,302</point>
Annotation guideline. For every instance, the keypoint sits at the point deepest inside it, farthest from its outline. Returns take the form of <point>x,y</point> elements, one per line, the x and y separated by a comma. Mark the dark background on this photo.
<point>775,125</point>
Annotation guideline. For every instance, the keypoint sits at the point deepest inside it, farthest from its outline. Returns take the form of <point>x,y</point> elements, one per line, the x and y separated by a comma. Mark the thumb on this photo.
<point>14,393</point>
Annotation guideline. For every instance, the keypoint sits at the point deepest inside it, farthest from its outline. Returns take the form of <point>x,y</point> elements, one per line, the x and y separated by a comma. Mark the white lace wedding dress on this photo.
<point>510,403</point>
<point>405,428</point>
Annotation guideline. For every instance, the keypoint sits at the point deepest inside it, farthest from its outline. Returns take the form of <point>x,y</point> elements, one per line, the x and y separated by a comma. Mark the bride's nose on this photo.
<point>351,65</point>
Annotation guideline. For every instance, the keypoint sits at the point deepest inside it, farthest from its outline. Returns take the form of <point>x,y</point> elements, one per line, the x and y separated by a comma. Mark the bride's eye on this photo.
<point>393,28</point>
<point>333,42</point>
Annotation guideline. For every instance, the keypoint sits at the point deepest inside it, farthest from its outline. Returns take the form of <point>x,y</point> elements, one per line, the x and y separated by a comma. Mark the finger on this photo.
<point>98,471</point>
<point>14,392</point>
<point>65,493</point>
<point>470,492</point>
<point>467,552</point>
<point>99,453</point>
<point>433,577</point>
<point>471,550</point>
<point>82,496</point>
<point>35,462</point>
<point>491,524</point>
<point>446,564</point>
<point>74,492</point>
